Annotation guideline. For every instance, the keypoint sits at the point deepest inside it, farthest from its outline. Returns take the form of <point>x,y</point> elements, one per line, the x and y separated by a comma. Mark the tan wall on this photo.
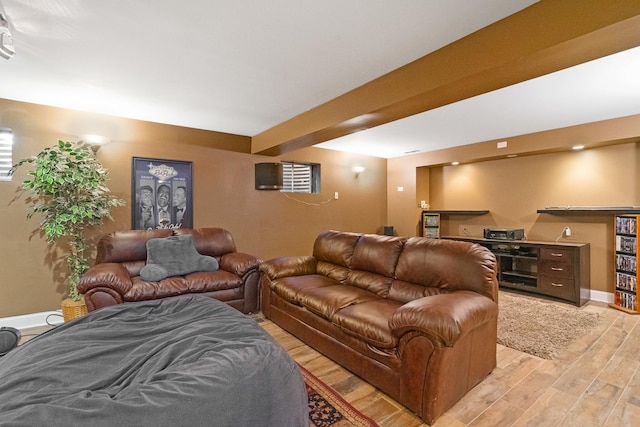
<point>269,224</point>
<point>514,188</point>
<point>264,223</point>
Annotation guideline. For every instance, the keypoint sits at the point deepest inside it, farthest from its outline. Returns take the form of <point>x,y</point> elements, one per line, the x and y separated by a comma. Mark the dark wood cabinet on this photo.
<point>557,270</point>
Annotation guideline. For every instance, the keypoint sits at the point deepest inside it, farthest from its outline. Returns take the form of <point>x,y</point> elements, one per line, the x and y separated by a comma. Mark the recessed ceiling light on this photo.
<point>455,163</point>
<point>577,147</point>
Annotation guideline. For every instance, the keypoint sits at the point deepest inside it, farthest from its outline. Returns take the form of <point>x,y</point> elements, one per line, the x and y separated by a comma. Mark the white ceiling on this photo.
<point>245,66</point>
<point>598,90</point>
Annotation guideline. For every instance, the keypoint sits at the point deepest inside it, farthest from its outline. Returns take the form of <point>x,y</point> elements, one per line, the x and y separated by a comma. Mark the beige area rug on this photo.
<point>540,327</point>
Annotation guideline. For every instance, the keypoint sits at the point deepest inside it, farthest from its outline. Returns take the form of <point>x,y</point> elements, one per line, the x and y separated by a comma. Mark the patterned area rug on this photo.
<point>540,327</point>
<point>327,408</point>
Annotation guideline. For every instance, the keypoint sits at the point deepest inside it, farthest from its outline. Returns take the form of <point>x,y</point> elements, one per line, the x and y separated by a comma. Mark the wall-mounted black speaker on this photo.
<point>9,339</point>
<point>268,176</point>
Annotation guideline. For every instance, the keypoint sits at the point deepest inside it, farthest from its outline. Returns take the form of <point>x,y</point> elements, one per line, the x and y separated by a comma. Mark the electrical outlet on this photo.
<point>335,195</point>
<point>567,232</point>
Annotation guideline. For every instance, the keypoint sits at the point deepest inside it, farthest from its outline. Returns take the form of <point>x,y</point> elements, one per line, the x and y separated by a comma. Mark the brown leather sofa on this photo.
<point>415,317</point>
<point>115,277</point>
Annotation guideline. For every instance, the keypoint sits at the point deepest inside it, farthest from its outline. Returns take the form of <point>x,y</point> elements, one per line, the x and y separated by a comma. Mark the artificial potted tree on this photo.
<point>67,187</point>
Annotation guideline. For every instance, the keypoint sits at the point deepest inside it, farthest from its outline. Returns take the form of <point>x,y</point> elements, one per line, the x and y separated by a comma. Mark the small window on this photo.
<point>300,177</point>
<point>6,153</point>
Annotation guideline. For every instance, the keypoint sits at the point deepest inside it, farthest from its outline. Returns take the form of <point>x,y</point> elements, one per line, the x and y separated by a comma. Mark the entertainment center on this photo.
<point>557,270</point>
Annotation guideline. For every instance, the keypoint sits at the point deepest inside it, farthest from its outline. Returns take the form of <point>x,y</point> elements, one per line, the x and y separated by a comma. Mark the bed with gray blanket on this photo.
<point>181,361</point>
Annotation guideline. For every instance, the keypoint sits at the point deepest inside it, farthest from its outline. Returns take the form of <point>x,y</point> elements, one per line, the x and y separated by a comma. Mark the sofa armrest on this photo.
<point>108,274</point>
<point>444,318</point>
<point>239,263</point>
<point>289,266</point>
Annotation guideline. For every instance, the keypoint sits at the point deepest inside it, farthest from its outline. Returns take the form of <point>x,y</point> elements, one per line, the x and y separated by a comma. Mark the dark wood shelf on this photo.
<point>590,210</point>
<point>536,243</point>
<point>456,212</point>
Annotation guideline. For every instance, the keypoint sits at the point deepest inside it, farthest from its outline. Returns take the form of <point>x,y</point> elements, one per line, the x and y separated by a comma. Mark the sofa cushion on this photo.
<point>377,254</point>
<point>198,282</point>
<point>371,282</point>
<point>211,241</point>
<point>209,281</point>
<point>174,256</point>
<point>126,246</point>
<point>369,321</point>
<point>133,267</point>
<point>449,265</point>
<point>289,287</point>
<point>326,301</point>
<point>373,263</point>
<point>335,247</point>
<point>142,290</point>
<point>335,272</point>
<point>404,291</point>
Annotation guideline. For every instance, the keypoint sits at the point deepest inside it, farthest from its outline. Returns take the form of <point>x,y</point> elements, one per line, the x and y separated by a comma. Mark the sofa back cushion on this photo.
<point>445,265</point>
<point>405,292</point>
<point>212,241</point>
<point>374,262</point>
<point>130,247</point>
<point>127,246</point>
<point>333,251</point>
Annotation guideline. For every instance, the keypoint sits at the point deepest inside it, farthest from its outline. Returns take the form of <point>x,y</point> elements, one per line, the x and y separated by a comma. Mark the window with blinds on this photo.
<point>300,177</point>
<point>6,153</point>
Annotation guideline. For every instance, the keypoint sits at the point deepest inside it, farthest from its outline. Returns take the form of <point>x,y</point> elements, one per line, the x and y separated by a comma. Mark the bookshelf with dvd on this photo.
<point>625,262</point>
<point>431,225</point>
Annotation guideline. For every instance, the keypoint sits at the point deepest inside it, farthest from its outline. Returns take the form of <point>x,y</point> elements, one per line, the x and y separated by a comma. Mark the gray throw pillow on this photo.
<point>174,256</point>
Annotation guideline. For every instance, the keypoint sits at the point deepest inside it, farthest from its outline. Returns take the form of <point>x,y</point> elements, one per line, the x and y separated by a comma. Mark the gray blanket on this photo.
<point>182,361</point>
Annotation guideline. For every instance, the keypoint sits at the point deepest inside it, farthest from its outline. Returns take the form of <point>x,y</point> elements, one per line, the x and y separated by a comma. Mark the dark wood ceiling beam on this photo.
<point>548,36</point>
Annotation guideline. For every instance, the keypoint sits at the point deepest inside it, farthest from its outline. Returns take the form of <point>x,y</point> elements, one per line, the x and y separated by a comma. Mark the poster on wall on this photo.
<point>162,194</point>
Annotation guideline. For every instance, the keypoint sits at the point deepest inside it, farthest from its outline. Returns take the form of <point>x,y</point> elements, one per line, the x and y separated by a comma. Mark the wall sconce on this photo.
<point>357,170</point>
<point>94,141</point>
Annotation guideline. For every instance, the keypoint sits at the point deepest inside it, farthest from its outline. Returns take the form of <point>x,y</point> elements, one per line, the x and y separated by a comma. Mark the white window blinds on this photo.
<point>6,153</point>
<point>297,177</point>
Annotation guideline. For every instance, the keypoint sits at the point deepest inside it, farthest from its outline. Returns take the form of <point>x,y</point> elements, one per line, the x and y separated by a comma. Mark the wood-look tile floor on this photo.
<point>595,382</point>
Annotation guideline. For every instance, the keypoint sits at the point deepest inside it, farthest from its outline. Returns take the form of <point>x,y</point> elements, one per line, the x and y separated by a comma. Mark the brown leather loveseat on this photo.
<point>415,317</point>
<point>115,277</point>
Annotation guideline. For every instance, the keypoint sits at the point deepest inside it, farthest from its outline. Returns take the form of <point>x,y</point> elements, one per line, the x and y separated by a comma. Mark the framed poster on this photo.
<point>161,193</point>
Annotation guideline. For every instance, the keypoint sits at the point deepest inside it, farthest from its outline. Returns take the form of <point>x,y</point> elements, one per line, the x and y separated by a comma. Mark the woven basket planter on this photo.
<point>72,309</point>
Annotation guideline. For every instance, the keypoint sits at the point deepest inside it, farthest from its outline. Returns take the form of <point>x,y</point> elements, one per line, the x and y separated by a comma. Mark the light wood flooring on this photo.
<point>595,382</point>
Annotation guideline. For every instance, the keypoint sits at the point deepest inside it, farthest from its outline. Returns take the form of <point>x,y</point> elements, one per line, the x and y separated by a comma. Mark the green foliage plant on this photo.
<point>67,186</point>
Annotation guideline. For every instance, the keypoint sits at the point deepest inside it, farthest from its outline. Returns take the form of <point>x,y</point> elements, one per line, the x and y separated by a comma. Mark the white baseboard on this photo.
<point>602,296</point>
<point>33,320</point>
